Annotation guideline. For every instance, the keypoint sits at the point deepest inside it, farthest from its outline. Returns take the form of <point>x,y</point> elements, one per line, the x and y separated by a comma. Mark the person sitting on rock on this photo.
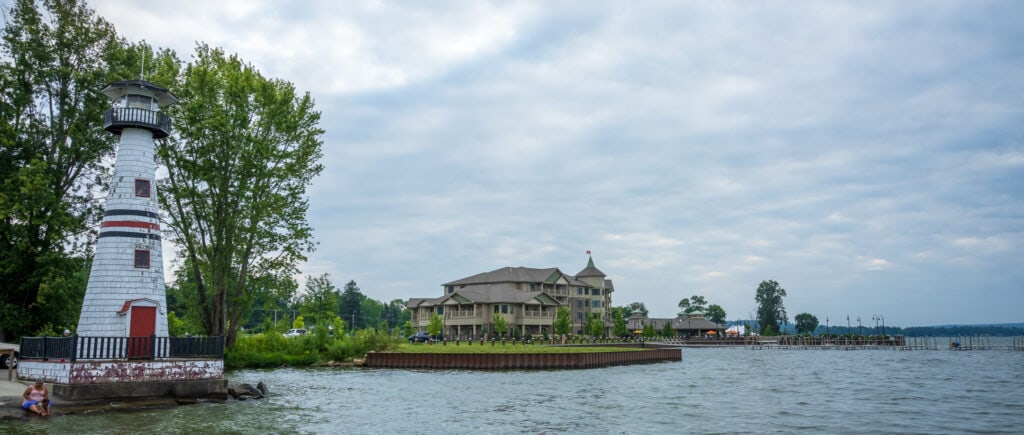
<point>37,399</point>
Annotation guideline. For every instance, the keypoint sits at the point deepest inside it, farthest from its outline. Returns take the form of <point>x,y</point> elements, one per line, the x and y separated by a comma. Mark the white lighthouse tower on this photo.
<point>125,296</point>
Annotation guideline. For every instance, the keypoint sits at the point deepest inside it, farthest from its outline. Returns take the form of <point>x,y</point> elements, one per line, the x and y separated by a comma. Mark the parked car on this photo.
<point>6,362</point>
<point>419,337</point>
<point>295,332</point>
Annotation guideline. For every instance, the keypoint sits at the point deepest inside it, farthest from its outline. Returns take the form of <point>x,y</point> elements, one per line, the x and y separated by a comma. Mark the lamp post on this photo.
<point>860,328</point>
<point>875,318</point>
<point>826,326</point>
<point>883,325</point>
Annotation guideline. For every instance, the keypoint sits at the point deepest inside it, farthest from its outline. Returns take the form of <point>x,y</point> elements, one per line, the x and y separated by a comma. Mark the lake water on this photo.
<point>734,390</point>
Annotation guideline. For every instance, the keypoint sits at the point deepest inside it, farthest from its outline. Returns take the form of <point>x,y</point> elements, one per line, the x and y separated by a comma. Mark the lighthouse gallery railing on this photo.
<point>74,347</point>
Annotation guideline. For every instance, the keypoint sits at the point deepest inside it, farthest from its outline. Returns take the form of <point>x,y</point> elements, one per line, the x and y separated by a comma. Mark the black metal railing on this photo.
<point>74,347</point>
<point>117,118</point>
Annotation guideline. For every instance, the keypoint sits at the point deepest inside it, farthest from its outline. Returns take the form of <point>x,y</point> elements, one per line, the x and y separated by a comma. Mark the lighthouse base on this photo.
<point>112,380</point>
<point>207,389</point>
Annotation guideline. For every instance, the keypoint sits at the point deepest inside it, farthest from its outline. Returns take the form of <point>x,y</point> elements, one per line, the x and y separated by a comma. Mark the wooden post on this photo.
<point>10,363</point>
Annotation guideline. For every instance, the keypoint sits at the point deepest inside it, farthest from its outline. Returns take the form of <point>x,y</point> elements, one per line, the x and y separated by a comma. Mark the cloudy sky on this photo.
<point>869,156</point>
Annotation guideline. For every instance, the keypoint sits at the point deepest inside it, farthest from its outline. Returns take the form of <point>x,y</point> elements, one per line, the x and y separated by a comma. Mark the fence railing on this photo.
<point>117,118</point>
<point>75,347</point>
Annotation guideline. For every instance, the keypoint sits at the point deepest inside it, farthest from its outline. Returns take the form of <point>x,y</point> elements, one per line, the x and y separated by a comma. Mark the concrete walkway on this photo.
<point>10,397</point>
<point>12,388</point>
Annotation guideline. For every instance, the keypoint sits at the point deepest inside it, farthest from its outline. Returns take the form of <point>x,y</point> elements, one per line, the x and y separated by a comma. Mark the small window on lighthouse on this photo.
<point>142,188</point>
<point>141,259</point>
<point>140,102</point>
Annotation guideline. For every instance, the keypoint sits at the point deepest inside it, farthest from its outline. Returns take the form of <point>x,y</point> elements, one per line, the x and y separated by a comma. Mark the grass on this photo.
<point>505,349</point>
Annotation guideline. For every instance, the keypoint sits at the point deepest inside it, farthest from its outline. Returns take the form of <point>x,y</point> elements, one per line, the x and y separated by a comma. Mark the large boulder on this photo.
<point>246,391</point>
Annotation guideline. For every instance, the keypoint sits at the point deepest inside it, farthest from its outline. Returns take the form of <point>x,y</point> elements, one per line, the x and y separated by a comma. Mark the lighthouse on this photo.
<point>122,349</point>
<point>125,296</point>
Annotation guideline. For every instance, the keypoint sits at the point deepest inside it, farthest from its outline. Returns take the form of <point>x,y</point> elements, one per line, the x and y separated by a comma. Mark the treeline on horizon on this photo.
<point>994,330</point>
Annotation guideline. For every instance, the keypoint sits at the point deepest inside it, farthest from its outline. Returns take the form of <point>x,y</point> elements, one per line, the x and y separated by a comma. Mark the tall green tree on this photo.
<point>771,312</point>
<point>393,313</point>
<point>319,303</point>
<point>693,304</point>
<point>350,305</point>
<point>563,321</point>
<point>595,326</point>
<point>243,153</point>
<point>667,331</point>
<point>54,58</point>
<point>806,323</point>
<point>435,325</point>
<point>500,324</point>
<point>636,306</point>
<point>372,314</point>
<point>619,324</point>
<point>715,313</point>
<point>649,331</point>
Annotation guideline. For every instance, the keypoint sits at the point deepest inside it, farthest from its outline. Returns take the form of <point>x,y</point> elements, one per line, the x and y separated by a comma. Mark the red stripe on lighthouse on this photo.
<point>130,224</point>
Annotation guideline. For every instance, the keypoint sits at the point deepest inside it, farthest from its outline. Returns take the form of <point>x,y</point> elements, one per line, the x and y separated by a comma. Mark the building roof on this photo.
<point>686,322</point>
<point>590,270</point>
<point>490,294</point>
<point>415,302</point>
<point>118,89</point>
<point>512,274</point>
<point>680,322</point>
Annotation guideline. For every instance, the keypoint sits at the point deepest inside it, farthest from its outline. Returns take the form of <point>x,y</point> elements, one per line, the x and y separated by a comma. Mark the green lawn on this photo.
<point>507,348</point>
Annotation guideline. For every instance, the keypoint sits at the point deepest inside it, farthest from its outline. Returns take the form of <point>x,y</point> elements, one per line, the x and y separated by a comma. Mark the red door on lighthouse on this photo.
<point>141,330</point>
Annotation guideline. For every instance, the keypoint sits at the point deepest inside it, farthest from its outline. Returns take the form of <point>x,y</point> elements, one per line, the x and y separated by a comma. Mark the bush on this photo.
<point>274,350</point>
<point>271,350</point>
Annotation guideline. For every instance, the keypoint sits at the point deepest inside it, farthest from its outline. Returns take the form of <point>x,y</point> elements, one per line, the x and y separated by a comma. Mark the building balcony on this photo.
<point>119,118</point>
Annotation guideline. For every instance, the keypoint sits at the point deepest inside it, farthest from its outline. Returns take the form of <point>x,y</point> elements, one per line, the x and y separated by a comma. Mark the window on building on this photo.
<point>579,316</point>
<point>451,289</point>
<point>579,303</point>
<point>142,188</point>
<point>533,287</point>
<point>140,102</point>
<point>504,309</point>
<point>142,259</point>
<point>597,292</point>
<point>439,310</point>
<point>595,304</point>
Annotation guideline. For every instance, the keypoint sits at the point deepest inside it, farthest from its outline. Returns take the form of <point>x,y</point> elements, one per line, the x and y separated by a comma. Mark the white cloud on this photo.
<point>692,147</point>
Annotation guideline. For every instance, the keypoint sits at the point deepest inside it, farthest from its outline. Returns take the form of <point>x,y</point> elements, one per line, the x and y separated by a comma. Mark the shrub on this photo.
<point>274,350</point>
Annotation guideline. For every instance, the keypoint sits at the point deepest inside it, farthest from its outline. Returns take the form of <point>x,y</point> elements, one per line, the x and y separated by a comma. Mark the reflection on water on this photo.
<point>733,390</point>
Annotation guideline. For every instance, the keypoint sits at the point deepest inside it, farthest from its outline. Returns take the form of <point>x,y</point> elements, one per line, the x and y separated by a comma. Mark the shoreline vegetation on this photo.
<point>270,350</point>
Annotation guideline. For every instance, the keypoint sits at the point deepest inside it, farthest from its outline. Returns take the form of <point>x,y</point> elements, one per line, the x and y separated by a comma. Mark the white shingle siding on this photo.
<point>114,279</point>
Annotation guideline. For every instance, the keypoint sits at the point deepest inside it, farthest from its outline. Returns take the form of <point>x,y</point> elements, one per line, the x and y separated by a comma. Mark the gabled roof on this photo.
<point>681,322</point>
<point>686,322</point>
<point>415,302</point>
<point>590,270</point>
<point>511,274</point>
<point>490,294</point>
<point>608,285</point>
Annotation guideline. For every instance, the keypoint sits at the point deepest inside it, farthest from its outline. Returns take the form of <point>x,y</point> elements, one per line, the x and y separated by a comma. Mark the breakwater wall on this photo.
<point>519,361</point>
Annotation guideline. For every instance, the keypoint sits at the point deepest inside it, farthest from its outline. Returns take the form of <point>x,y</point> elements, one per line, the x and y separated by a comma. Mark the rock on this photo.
<point>245,391</point>
<point>263,388</point>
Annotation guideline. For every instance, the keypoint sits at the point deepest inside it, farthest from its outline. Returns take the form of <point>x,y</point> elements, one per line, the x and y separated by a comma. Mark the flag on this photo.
<point>588,252</point>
